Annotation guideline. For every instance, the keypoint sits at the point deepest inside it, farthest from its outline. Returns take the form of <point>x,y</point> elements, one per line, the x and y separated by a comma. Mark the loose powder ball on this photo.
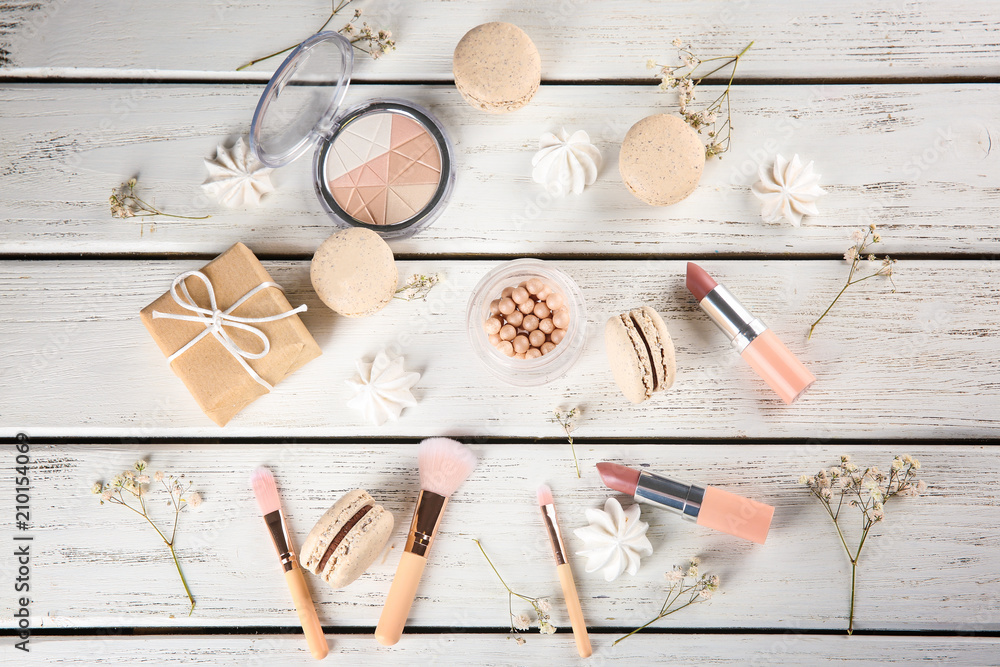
<point>528,320</point>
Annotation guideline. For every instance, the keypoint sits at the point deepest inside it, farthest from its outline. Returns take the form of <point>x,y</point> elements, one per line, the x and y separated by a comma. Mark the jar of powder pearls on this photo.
<point>527,322</point>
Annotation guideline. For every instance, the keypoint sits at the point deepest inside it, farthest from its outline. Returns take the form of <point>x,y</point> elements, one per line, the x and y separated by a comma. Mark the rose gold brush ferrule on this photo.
<point>279,535</point>
<point>426,516</point>
<point>555,536</point>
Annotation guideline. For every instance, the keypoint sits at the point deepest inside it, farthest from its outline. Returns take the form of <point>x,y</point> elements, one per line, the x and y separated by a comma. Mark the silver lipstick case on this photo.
<point>729,315</point>
<point>685,499</point>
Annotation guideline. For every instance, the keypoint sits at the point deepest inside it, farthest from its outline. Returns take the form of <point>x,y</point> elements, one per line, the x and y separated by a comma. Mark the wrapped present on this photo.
<point>229,332</point>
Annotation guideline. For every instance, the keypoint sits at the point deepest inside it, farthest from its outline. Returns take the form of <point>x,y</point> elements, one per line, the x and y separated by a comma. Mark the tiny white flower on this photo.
<point>522,622</point>
<point>705,594</point>
<point>106,495</point>
<point>546,628</point>
<point>544,605</point>
<point>96,488</point>
<point>194,500</point>
<point>650,64</point>
<point>851,253</point>
<point>158,475</point>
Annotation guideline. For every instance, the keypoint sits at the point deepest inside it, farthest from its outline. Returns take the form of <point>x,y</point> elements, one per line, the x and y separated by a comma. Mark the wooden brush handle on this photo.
<point>575,611</point>
<point>400,598</point>
<point>307,613</point>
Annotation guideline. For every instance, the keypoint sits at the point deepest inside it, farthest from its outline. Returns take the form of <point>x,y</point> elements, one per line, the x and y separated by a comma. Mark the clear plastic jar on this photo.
<point>527,372</point>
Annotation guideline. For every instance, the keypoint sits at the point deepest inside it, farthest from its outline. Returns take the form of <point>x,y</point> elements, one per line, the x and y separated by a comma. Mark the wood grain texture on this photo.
<point>577,39</point>
<point>491,649</point>
<point>919,363</point>
<point>933,565</point>
<point>898,156</point>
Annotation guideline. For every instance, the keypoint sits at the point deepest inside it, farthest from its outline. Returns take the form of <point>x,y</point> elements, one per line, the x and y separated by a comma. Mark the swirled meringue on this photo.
<point>235,177</point>
<point>382,389</point>
<point>788,190</point>
<point>615,541</point>
<point>565,163</point>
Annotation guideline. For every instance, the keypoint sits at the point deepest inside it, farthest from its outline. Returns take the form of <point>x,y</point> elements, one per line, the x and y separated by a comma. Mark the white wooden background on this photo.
<point>896,102</point>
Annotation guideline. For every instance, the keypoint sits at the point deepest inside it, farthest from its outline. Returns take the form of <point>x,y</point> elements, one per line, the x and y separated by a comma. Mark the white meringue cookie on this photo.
<point>565,163</point>
<point>615,541</point>
<point>382,389</point>
<point>235,177</point>
<point>788,190</point>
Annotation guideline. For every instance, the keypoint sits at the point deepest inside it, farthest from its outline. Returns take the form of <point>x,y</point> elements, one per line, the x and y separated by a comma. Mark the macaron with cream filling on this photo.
<point>640,353</point>
<point>347,539</point>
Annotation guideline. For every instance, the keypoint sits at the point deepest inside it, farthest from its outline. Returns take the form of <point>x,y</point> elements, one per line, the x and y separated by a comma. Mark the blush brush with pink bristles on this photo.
<point>270,506</point>
<point>444,465</point>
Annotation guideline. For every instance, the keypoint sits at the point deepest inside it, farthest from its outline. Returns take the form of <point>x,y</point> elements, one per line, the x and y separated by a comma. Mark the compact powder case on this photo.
<point>385,165</point>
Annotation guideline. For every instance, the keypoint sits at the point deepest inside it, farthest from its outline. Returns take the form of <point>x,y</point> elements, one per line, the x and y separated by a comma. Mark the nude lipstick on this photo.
<point>705,505</point>
<point>755,342</point>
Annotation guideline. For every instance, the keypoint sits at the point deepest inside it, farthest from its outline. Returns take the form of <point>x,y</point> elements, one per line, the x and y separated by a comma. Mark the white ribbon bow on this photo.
<point>215,320</point>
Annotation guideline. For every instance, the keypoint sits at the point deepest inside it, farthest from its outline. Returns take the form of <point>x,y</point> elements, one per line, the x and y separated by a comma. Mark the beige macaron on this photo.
<point>347,539</point>
<point>353,272</point>
<point>640,352</point>
<point>497,67</point>
<point>661,160</point>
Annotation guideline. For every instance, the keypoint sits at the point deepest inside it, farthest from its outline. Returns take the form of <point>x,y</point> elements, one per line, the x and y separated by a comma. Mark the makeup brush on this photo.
<point>270,506</point>
<point>565,573</point>
<point>444,465</point>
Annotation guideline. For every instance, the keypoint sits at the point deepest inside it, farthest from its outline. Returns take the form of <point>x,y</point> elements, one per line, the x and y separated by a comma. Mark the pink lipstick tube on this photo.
<point>755,342</point>
<point>705,505</point>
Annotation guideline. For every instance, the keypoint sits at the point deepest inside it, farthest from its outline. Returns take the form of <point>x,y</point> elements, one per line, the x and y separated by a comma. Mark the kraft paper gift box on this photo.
<point>215,350</point>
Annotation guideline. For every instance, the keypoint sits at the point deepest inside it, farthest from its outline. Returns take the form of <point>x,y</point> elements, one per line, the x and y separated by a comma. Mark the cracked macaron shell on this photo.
<point>661,160</point>
<point>359,547</point>
<point>640,353</point>
<point>497,67</point>
<point>353,272</point>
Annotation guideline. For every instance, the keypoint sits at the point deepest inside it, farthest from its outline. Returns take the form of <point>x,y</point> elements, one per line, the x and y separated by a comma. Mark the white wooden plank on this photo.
<point>488,649</point>
<point>577,40</point>
<point>933,564</point>
<point>899,156</point>
<point>919,363</point>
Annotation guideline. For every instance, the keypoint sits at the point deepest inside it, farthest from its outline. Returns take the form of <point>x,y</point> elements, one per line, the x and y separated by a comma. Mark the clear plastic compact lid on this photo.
<point>299,105</point>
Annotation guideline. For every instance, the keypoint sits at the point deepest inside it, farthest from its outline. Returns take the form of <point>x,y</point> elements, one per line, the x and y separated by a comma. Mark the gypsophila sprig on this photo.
<point>685,79</point>
<point>417,287</point>
<point>125,203</point>
<point>867,490</point>
<point>130,489</point>
<point>365,38</point>
<point>522,622</point>
<point>569,420</point>
<point>861,251</point>
<point>687,587</point>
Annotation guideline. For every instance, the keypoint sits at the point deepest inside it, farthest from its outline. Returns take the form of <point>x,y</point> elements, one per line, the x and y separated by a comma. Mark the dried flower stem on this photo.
<point>700,588</point>
<point>125,203</point>
<point>131,482</point>
<point>869,491</point>
<point>540,605</point>
<point>417,287</point>
<point>378,41</point>
<point>568,420</point>
<point>855,254</point>
<point>686,78</point>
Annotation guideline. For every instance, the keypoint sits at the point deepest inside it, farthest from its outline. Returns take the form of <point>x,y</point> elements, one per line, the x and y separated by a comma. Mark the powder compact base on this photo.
<point>386,165</point>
